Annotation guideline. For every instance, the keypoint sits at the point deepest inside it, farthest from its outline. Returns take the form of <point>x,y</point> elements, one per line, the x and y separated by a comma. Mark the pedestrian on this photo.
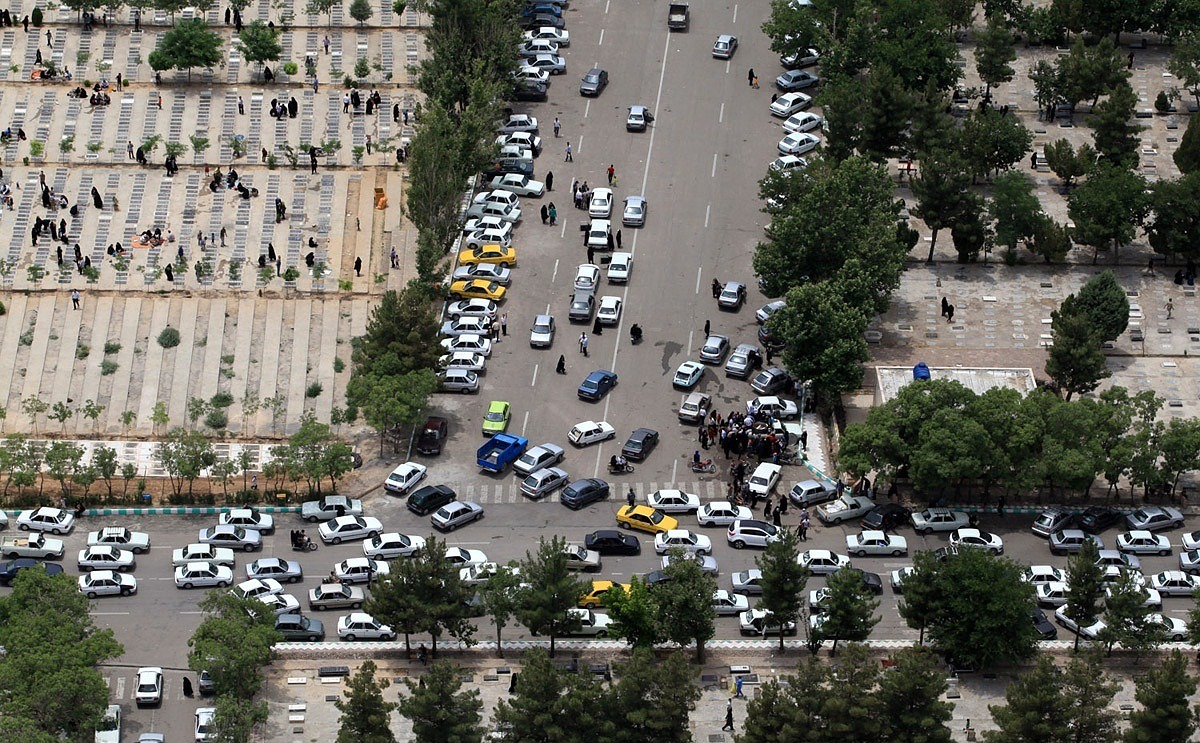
<point>241,106</point>
<point>549,180</point>
<point>703,439</point>
<point>368,144</point>
<point>405,113</point>
<point>316,84</point>
<point>804,524</point>
<point>96,198</point>
<point>553,213</point>
<point>591,253</point>
<point>777,518</point>
<point>755,83</point>
<point>159,101</point>
<point>568,158</point>
<point>504,324</point>
<point>804,439</point>
<point>1000,507</point>
<point>254,481</point>
<point>129,149</point>
<point>357,266</point>
<point>767,506</point>
<point>327,43</point>
<point>945,306</point>
<point>562,365</point>
<point>716,288</point>
<point>770,353</point>
<point>187,687</point>
<point>728,716</point>
<point>583,343</point>
<point>545,214</point>
<point>950,314</point>
<point>750,77</point>
<point>597,328</point>
<point>631,498</point>
<point>422,654</point>
<point>707,328</point>
<point>495,328</point>
<point>556,126</point>
<point>50,43</point>
<point>1129,66</point>
<point>738,687</point>
<point>120,81</point>
<point>611,171</point>
<point>618,238</point>
<point>395,259</point>
<point>345,103</point>
<point>1169,307</point>
<point>75,299</point>
<point>222,237</point>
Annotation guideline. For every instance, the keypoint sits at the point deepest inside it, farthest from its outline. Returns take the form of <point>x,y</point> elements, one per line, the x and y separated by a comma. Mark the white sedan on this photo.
<point>350,527</point>
<point>280,603</point>
<point>551,63</point>
<point>203,575</point>
<point>804,121</point>
<point>609,312</point>
<point>359,570</point>
<point>787,163</point>
<point>363,626</point>
<point>559,36</point>
<point>468,342</point>
<point>106,583</point>
<point>587,276</point>
<point>789,103</point>
<point>671,500</point>
<point>1143,543</point>
<point>822,562</point>
<point>405,477</point>
<point>231,536</point>
<point>249,519</point>
<point>120,537</point>
<point>665,541</point>
<point>543,455</point>
<point>975,539</point>
<point>728,604</point>
<point>460,556</point>
<point>590,432</point>
<point>197,552</point>
<point>688,375</point>
<point>764,478</point>
<point>797,143</point>
<point>392,545</point>
<point>103,557</point>
<point>601,203</point>
<point>46,519</point>
<point>876,543</point>
<point>489,271</point>
<point>477,575</point>
<point>520,184</point>
<point>722,513</point>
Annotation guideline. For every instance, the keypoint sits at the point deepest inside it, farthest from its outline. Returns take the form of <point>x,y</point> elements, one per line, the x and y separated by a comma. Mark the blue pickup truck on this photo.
<point>500,451</point>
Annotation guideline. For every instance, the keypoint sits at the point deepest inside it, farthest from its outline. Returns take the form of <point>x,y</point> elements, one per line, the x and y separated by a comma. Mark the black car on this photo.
<point>655,577</point>
<point>532,92</point>
<point>640,443</point>
<point>595,81</point>
<point>10,569</point>
<point>540,20</point>
<point>1098,518</point>
<point>433,436</point>
<point>1045,628</point>
<point>870,580</point>
<point>430,498</point>
<point>582,492</point>
<point>612,542</point>
<point>767,339</point>
<point>886,517</point>
<point>299,628</point>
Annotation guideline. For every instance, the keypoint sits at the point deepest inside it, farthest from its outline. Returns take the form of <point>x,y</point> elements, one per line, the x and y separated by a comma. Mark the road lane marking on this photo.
<point>707,210</point>
<point>606,7</point>
<point>674,469</point>
<point>586,108</point>
<point>110,613</point>
<point>601,42</point>
<point>532,383</point>
<point>525,422</point>
<point>191,612</point>
<point>721,114</point>
<point>728,62</point>
<point>735,9</point>
<point>714,167</point>
<point>553,276</point>
<point>699,271</point>
<point>689,345</point>
<point>579,142</point>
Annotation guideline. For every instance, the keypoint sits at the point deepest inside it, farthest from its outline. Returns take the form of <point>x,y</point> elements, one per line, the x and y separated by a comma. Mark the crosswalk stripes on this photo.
<point>119,683</point>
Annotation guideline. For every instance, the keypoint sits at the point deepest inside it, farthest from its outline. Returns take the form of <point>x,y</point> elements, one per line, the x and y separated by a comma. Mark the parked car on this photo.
<point>456,514</point>
<point>612,542</point>
<point>402,479</point>
<point>136,542</point>
<point>584,492</point>
<point>335,596</point>
<point>811,493</point>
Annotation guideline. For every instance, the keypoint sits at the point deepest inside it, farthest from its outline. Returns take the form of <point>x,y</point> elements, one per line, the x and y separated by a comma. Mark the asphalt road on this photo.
<point>698,166</point>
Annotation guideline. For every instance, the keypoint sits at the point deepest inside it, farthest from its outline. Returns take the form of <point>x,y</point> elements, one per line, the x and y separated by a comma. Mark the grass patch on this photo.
<point>107,367</point>
<point>313,390</point>
<point>168,338</point>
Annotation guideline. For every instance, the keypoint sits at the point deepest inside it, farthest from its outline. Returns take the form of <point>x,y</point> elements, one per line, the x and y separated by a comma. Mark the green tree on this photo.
<point>365,714</point>
<point>553,589</point>
<point>1067,162</point>
<point>1087,692</point>
<point>388,401</point>
<point>1089,72</point>
<point>1051,240</point>
<point>941,191</point>
<point>317,7</point>
<point>104,459</point>
<point>971,235</point>
<point>441,712</point>
<point>184,455</point>
<point>685,608</point>
<point>992,141</point>
<point>783,580</point>
<point>236,718</point>
<point>1034,709</point>
<point>652,698</point>
<point>823,339</point>
<point>1126,617</point>
<point>63,459</point>
<point>360,10</point>
<point>849,609</point>
<point>1107,207</point>
<point>1016,209</point>
<point>1105,304</point>
<point>1174,216</point>
<point>1180,445</point>
<point>1076,362</point>
<point>910,699</point>
<point>52,688</point>
<point>1114,128</point>
<point>500,600</point>
<point>259,42</point>
<point>1085,580</point>
<point>1184,64</point>
<point>233,643</point>
<point>189,44</point>
<point>426,594</point>
<point>913,38</point>
<point>1166,715</point>
<point>994,53</point>
<point>634,614</point>
<point>791,711</point>
<point>918,606</point>
<point>549,705</point>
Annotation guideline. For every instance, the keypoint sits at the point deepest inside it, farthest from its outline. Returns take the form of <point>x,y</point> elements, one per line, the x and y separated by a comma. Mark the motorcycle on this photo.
<point>706,466</point>
<point>619,469</point>
<point>306,545</point>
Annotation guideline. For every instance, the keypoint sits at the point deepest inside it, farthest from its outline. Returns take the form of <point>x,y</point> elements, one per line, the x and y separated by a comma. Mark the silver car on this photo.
<point>541,335</point>
<point>770,381</point>
<point>744,359</point>
<point>459,380</point>
<point>714,349</point>
<point>544,481</point>
<point>489,271</point>
<point>284,571</point>
<point>637,120</point>
<point>538,457</point>
<point>455,514</point>
<point>551,63</point>
<point>634,214</point>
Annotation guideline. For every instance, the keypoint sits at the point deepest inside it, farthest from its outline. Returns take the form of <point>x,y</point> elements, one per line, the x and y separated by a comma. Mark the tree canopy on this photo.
<point>189,44</point>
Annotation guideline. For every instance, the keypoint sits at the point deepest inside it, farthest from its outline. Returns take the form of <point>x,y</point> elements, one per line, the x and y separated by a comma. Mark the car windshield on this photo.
<point>495,415</point>
<point>591,78</point>
<point>541,327</point>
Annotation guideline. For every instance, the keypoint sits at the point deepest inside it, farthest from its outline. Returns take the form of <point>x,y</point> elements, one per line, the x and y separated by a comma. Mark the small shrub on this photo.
<point>227,358</point>
<point>36,148</point>
<point>107,367</point>
<point>216,420</point>
<point>66,144</point>
<point>222,400</point>
<point>313,390</point>
<point>3,309</point>
<point>168,338</point>
<point>1162,103</point>
<point>26,338</point>
<point>290,68</point>
<point>82,351</point>
<point>338,364</point>
<point>111,347</point>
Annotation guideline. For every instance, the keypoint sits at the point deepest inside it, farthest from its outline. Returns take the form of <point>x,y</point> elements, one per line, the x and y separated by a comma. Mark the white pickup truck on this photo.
<point>34,545</point>
<point>845,508</point>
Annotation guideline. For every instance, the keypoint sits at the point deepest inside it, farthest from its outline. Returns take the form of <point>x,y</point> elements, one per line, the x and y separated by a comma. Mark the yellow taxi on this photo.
<point>477,289</point>
<point>594,598</point>
<point>497,254</point>
<point>645,518</point>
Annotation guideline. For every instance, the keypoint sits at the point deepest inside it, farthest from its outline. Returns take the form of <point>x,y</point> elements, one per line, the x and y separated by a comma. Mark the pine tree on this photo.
<point>849,609</point>
<point>1105,303</point>
<point>1166,715</point>
<point>1076,362</point>
<point>1126,616</point>
<point>910,697</point>
<point>1035,710</point>
<point>365,714</point>
<point>1087,692</point>
<point>440,711</point>
<point>1084,582</point>
<point>783,580</point>
<point>652,698</point>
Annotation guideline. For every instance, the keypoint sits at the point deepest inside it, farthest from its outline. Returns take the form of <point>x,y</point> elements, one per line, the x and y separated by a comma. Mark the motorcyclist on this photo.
<point>696,458</point>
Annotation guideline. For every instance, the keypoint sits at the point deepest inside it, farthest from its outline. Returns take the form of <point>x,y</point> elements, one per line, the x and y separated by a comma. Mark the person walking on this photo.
<point>631,498</point>
<point>950,314</point>
<point>553,211</point>
<point>549,180</point>
<point>326,41</point>
<point>129,149</point>
<point>728,716</point>
<point>545,214</point>
<point>562,365</point>
<point>1169,307</point>
<point>945,306</point>
<point>591,253</point>
<point>504,324</point>
<point>187,687</point>
<point>583,344</point>
<point>568,158</point>
<point>716,288</point>
<point>368,144</point>
<point>75,299</point>
<point>611,172</point>
<point>618,238</point>
<point>159,101</point>
<point>707,328</point>
<point>802,530</point>
<point>357,266</point>
<point>556,126</point>
<point>738,687</point>
<point>750,77</point>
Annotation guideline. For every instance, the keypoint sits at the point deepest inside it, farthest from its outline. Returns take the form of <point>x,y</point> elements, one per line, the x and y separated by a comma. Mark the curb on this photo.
<point>173,511</point>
